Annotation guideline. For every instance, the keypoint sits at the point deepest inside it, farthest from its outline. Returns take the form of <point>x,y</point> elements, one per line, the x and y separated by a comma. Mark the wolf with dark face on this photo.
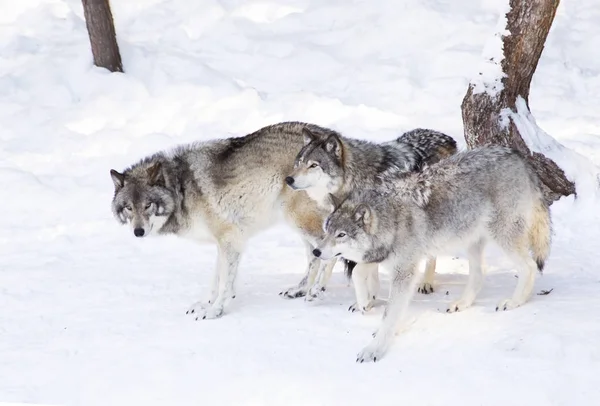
<point>223,191</point>
<point>489,194</point>
<point>145,202</point>
<point>332,164</point>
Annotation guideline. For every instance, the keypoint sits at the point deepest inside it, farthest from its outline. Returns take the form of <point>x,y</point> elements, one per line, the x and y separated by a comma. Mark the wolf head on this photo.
<point>318,165</point>
<point>142,198</point>
<point>351,231</point>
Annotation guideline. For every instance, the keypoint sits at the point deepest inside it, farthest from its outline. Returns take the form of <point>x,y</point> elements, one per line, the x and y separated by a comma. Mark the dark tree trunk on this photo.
<point>484,112</point>
<point>101,30</point>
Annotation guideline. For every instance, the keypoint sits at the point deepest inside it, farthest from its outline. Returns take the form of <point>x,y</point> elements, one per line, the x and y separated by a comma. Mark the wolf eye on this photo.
<point>313,166</point>
<point>340,235</point>
<point>128,207</point>
<point>148,205</point>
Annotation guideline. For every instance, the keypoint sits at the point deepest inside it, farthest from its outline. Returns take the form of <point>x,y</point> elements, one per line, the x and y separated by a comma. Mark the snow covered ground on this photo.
<point>89,315</point>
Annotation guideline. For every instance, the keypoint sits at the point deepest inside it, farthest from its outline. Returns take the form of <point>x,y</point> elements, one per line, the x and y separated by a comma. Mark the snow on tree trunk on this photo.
<point>101,30</point>
<point>490,105</point>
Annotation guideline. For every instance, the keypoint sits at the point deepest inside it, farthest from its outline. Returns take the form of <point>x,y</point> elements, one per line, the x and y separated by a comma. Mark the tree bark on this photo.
<point>484,112</point>
<point>101,29</point>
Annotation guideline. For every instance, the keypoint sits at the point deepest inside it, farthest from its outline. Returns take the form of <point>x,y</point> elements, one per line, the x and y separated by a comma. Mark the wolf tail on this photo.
<point>540,233</point>
<point>430,146</point>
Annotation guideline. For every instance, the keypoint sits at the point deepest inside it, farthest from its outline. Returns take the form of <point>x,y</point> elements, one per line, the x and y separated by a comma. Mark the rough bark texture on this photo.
<point>528,22</point>
<point>101,30</point>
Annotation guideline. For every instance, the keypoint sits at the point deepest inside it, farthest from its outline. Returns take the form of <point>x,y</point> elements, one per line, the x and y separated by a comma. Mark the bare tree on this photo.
<point>101,30</point>
<point>485,106</point>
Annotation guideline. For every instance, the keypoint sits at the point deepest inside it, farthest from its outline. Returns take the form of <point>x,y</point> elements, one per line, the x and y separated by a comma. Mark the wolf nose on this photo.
<point>317,252</point>
<point>139,232</point>
<point>289,180</point>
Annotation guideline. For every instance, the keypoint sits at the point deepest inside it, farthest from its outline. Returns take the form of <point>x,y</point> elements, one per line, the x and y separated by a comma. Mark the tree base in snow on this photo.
<point>554,181</point>
<point>490,102</point>
<point>101,29</point>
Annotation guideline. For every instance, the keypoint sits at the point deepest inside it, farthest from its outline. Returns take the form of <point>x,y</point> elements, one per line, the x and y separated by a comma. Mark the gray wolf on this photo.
<point>332,164</point>
<point>222,191</point>
<point>462,202</point>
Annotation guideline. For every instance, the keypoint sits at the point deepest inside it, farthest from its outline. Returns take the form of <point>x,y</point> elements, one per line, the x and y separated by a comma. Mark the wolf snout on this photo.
<point>289,180</point>
<point>138,232</point>
<point>317,252</point>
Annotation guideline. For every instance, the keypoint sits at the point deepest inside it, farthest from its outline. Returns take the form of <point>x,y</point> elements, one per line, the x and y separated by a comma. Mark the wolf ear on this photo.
<point>362,215</point>
<point>117,178</point>
<point>335,202</point>
<point>155,175</point>
<point>309,136</point>
<point>333,144</point>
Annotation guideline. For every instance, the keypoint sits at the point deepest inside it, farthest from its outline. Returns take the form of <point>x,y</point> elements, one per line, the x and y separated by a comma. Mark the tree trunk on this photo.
<point>101,30</point>
<point>489,102</point>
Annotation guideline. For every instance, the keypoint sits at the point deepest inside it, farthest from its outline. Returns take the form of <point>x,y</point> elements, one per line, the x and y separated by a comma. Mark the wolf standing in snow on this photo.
<point>222,191</point>
<point>331,164</point>
<point>464,201</point>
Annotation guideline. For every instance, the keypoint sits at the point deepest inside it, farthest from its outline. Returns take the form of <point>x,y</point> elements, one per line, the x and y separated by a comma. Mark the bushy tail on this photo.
<point>540,233</point>
<point>429,145</point>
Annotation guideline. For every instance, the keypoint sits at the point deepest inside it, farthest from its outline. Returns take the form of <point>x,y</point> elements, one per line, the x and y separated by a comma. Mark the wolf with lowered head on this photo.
<point>462,202</point>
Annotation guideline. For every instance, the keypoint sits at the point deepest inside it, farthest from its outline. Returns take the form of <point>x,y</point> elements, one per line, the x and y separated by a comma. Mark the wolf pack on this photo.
<point>396,204</point>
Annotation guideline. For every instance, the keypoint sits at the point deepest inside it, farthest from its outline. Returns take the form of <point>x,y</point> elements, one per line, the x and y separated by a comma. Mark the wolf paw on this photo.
<point>371,353</point>
<point>458,306</point>
<point>425,288</point>
<point>293,293</point>
<point>201,311</point>
<point>507,304</point>
<point>316,292</point>
<point>359,308</point>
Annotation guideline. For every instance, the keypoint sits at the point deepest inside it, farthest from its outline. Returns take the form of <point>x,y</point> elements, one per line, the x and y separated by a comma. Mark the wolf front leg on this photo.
<point>401,292</point>
<point>323,276</point>
<point>308,279</point>
<point>365,278</point>
<point>228,259</point>
<point>426,286</point>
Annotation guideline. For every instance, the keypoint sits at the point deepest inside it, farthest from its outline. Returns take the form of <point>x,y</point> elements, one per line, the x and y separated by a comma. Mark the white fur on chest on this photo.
<point>198,231</point>
<point>320,195</point>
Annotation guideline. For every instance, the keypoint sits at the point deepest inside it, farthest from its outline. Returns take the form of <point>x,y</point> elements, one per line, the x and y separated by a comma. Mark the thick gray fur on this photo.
<point>349,163</point>
<point>333,164</point>
<point>462,202</point>
<point>223,191</point>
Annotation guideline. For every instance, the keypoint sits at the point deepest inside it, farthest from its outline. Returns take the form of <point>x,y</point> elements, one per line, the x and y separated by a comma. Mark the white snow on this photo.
<point>578,169</point>
<point>89,315</point>
<point>489,76</point>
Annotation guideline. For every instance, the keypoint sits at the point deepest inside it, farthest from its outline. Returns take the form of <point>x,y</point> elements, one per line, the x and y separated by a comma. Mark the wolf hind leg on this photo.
<point>512,234</point>
<point>426,286</point>
<point>526,268</point>
<point>475,254</point>
<point>308,279</point>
